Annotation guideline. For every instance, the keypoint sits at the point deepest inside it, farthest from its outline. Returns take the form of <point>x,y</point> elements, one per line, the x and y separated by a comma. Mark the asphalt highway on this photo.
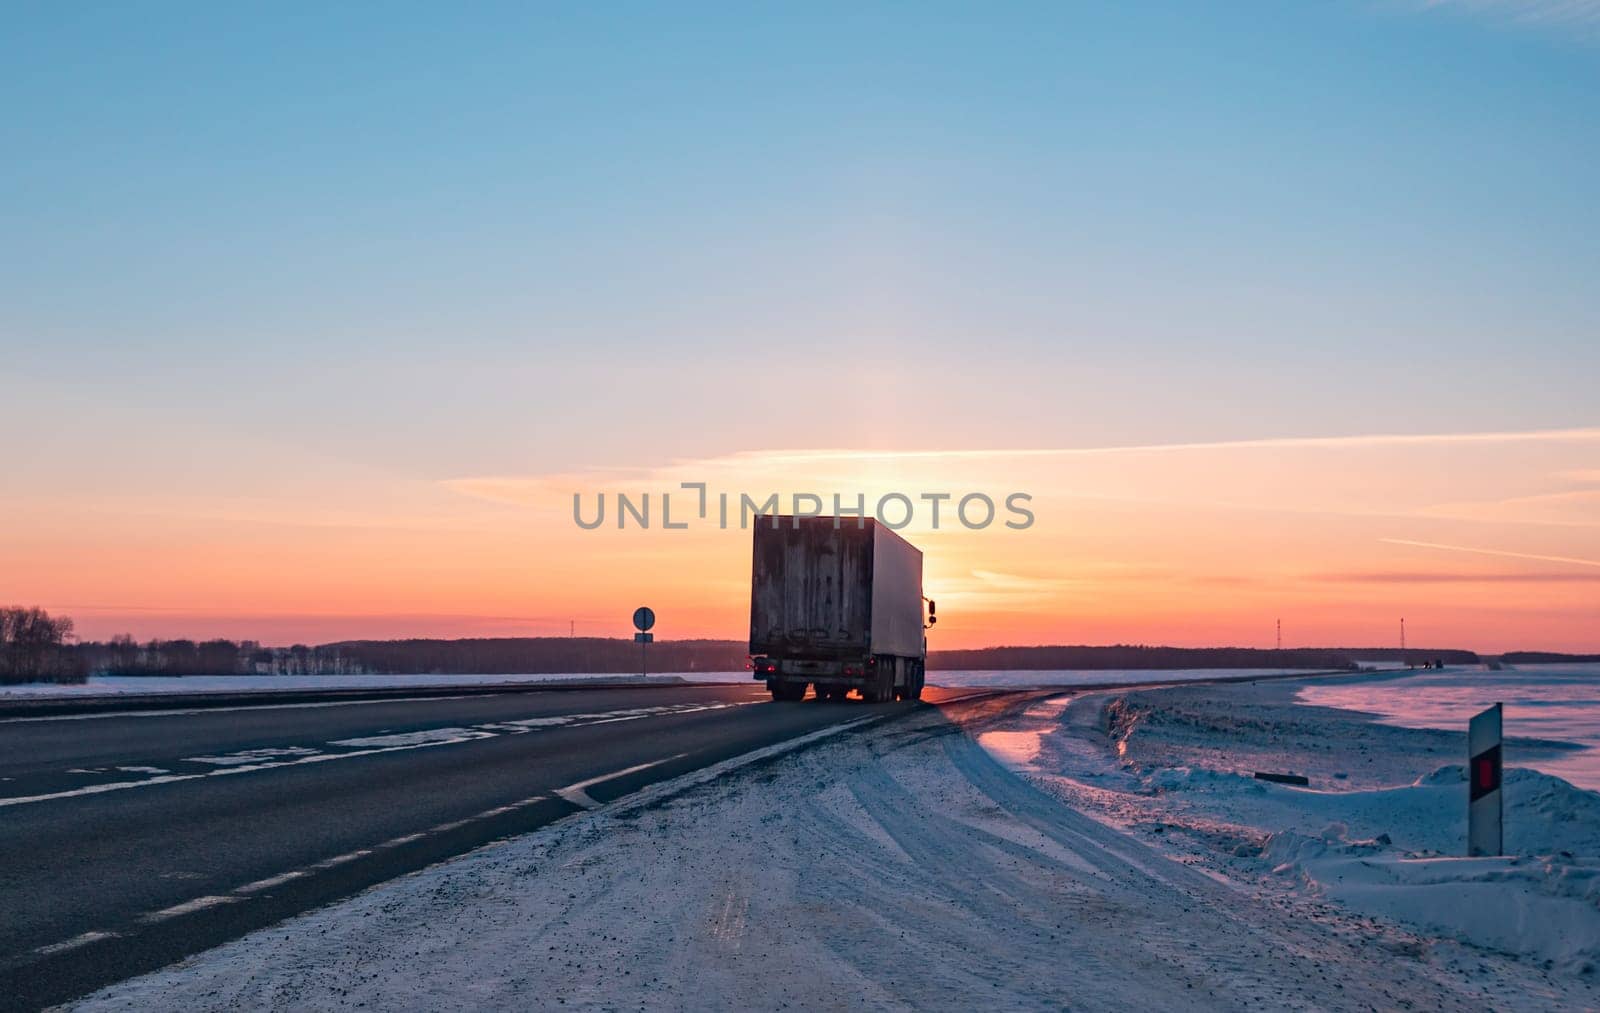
<point>130,839</point>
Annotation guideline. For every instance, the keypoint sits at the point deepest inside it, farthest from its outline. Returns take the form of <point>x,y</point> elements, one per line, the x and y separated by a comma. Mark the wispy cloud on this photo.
<point>1491,552</point>
<point>1397,577</point>
<point>526,488</point>
<point>1579,508</point>
<point>1269,443</point>
<point>1580,18</point>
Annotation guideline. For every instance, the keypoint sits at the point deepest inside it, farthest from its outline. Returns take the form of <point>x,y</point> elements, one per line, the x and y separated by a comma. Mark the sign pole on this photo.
<point>644,617</point>
<point>1485,833</point>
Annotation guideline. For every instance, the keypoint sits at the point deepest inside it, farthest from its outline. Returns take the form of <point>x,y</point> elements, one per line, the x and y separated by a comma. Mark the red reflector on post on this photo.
<point>1485,773</point>
<point>1485,776</point>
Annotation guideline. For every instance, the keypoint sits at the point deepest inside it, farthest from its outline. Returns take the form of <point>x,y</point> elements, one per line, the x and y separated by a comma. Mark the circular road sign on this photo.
<point>644,617</point>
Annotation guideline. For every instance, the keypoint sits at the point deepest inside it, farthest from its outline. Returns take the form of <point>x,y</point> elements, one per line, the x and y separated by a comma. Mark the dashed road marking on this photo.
<point>74,943</point>
<point>273,881</point>
<point>395,842</point>
<point>189,907</point>
<point>251,761</point>
<point>338,860</point>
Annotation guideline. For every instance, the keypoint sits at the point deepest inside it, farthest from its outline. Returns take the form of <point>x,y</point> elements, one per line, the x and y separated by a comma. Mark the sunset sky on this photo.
<point>313,323</point>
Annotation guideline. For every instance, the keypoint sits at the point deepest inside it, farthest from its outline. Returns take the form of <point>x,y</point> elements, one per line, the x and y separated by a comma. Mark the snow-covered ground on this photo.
<point>1557,702</point>
<point>897,866</point>
<point>1381,829</point>
<point>105,685</point>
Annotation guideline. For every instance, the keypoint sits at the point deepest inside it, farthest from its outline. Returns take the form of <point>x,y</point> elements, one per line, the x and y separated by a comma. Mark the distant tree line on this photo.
<point>511,655</point>
<point>121,655</point>
<point>508,655</point>
<point>1548,658</point>
<point>499,656</point>
<point>35,646</point>
<point>1135,656</point>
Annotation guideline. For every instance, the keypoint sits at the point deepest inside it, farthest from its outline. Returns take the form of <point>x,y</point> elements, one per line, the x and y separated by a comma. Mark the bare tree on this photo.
<point>33,647</point>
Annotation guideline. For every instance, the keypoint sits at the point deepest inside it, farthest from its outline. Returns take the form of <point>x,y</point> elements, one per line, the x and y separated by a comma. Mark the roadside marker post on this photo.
<point>1485,834</point>
<point>644,617</point>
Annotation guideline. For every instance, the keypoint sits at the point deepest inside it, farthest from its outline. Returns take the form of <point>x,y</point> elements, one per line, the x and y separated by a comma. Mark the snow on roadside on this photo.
<point>898,866</point>
<point>1380,829</point>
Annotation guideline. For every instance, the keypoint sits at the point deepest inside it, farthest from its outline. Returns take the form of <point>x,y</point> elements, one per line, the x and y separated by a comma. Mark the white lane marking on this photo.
<point>395,842</point>
<point>337,860</point>
<point>75,942</point>
<point>272,881</point>
<point>99,789</point>
<point>431,735</point>
<point>579,796</point>
<point>188,907</point>
<point>143,770</point>
<point>526,724</point>
<point>246,766</point>
<point>185,711</point>
<point>652,793</point>
<point>244,756</point>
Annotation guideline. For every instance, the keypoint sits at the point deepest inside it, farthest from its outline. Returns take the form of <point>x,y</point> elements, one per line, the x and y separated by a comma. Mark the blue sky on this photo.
<point>520,237</point>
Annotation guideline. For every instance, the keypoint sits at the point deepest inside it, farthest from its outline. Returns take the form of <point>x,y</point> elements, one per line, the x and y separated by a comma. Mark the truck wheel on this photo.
<point>917,683</point>
<point>882,690</point>
<point>789,692</point>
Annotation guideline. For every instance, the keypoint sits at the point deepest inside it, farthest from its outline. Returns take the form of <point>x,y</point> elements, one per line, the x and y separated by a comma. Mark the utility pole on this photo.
<point>1402,636</point>
<point>1280,634</point>
<point>572,631</point>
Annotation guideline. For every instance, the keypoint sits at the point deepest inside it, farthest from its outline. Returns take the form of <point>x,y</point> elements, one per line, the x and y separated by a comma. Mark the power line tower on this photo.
<point>1280,634</point>
<point>1402,635</point>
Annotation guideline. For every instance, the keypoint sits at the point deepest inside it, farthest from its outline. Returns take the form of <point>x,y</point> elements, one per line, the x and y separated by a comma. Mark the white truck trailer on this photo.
<point>837,603</point>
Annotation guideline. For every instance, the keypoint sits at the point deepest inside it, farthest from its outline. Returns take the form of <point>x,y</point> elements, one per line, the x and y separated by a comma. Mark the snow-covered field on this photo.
<point>1091,677</point>
<point>106,685</point>
<point>904,866</point>
<point>1381,829</point>
<point>1556,702</point>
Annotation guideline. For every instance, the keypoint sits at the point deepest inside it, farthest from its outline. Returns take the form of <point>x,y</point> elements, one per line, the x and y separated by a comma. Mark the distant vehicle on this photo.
<point>838,608</point>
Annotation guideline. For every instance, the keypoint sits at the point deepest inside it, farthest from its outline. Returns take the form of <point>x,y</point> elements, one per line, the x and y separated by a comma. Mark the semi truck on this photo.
<point>836,603</point>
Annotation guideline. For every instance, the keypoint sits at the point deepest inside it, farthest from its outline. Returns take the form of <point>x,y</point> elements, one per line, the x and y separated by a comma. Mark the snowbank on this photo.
<point>1380,829</point>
